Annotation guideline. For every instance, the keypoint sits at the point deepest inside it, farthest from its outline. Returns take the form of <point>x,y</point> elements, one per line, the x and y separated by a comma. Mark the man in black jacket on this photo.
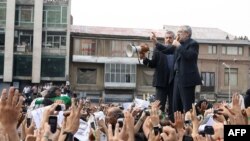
<point>247,98</point>
<point>185,74</point>
<point>162,64</point>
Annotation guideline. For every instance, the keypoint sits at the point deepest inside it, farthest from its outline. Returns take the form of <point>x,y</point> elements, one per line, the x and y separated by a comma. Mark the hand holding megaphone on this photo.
<point>140,50</point>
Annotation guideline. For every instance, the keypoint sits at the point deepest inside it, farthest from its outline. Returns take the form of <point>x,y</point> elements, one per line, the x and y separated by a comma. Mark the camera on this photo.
<point>60,107</point>
<point>24,109</point>
<point>93,125</point>
<point>147,112</point>
<point>188,122</point>
<point>157,130</point>
<point>120,107</point>
<point>217,111</point>
<point>187,138</point>
<point>28,122</point>
<point>53,123</point>
<point>209,130</point>
<point>120,120</point>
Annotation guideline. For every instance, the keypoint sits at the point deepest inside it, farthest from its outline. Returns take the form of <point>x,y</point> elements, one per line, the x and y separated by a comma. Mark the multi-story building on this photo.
<point>100,67</point>
<point>34,41</point>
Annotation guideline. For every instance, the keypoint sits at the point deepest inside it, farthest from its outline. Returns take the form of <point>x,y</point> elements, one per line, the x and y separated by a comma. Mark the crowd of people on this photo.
<point>56,116</point>
<point>80,120</point>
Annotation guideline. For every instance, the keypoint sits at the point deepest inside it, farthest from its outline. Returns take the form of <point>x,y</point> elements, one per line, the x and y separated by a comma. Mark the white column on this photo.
<point>9,41</point>
<point>68,41</point>
<point>37,41</point>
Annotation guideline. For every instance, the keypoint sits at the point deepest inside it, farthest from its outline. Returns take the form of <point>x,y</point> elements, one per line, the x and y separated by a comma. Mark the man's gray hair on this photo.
<point>170,32</point>
<point>187,29</point>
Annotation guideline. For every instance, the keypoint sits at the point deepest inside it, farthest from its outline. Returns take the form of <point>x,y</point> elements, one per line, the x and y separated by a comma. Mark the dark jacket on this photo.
<point>185,59</point>
<point>161,73</point>
<point>247,98</point>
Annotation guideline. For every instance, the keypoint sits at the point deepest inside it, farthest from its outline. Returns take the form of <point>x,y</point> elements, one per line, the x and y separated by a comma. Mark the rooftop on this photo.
<point>199,33</point>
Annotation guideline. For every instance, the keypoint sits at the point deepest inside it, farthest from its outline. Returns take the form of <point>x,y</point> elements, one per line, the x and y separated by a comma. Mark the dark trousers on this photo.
<point>162,94</point>
<point>183,97</point>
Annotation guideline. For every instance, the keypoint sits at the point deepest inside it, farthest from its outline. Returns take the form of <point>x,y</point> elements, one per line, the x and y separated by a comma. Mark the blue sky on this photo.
<point>229,15</point>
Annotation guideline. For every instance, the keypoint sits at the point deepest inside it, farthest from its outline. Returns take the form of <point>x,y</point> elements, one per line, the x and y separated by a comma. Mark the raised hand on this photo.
<point>116,135</point>
<point>27,130</point>
<point>47,134</point>
<point>153,137</point>
<point>72,122</point>
<point>10,107</point>
<point>179,120</point>
<point>195,120</point>
<point>153,37</point>
<point>169,134</point>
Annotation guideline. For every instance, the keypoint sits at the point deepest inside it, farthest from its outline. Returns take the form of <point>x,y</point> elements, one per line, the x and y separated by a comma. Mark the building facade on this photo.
<point>34,41</point>
<point>100,67</point>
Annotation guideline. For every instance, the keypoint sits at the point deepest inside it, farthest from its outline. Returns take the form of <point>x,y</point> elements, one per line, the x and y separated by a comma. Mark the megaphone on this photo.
<point>140,50</point>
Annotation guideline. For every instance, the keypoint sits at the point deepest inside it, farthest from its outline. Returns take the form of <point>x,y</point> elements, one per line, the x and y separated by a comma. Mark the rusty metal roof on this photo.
<point>117,31</point>
<point>198,32</point>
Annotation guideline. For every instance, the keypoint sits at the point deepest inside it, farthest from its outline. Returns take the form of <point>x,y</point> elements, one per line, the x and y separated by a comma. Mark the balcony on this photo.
<point>54,51</point>
<point>23,49</point>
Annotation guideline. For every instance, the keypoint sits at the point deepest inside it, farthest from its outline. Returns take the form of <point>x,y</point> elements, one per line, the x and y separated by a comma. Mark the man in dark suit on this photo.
<point>247,98</point>
<point>185,74</point>
<point>162,64</point>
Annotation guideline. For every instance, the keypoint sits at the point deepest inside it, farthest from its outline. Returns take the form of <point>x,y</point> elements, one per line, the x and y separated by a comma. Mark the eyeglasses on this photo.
<point>169,37</point>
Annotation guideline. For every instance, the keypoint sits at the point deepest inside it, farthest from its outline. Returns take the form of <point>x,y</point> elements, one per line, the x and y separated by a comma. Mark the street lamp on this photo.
<point>229,87</point>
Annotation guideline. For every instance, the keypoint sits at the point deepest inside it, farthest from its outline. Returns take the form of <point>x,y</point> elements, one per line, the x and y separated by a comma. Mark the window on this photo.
<point>55,16</point>
<point>1,64</point>
<point>54,39</point>
<point>118,48</point>
<point>212,49</point>
<point>86,76</point>
<point>24,15</point>
<point>53,66</point>
<point>208,80</point>
<point>22,65</point>
<point>2,40</point>
<point>233,76</point>
<point>120,73</point>
<point>232,50</point>
<point>88,47</point>
<point>2,12</point>
<point>64,14</point>
<point>23,40</point>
